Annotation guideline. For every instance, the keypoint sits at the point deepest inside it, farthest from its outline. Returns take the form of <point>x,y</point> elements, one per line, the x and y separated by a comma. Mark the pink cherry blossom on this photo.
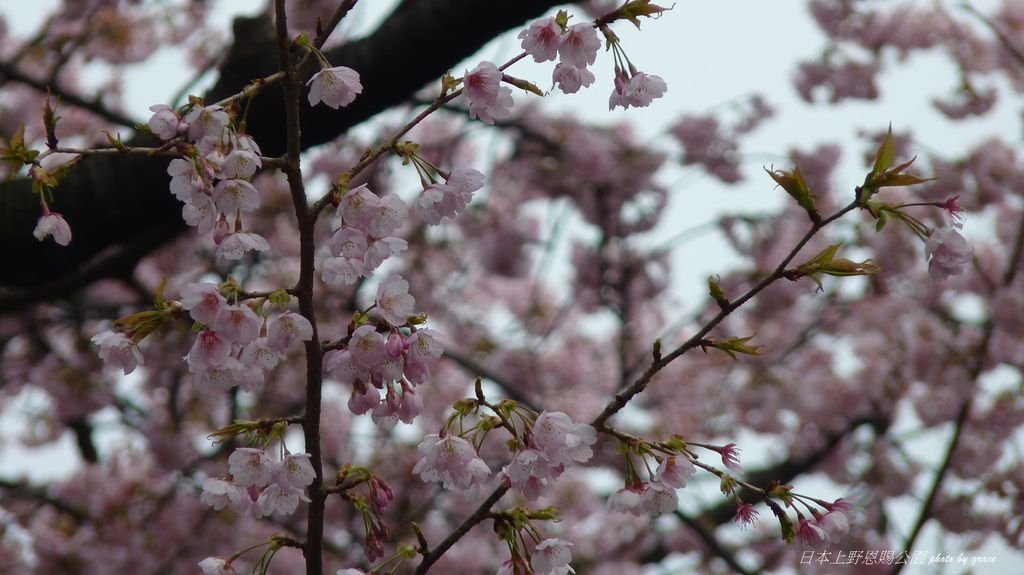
<point>731,458</point>
<point>186,181</point>
<point>342,271</point>
<point>218,494</point>
<point>235,195</point>
<point>552,557</point>
<point>390,215</point>
<point>164,123</point>
<point>393,300</point>
<point>579,45</point>
<point>53,224</point>
<point>658,498</point>
<point>277,498</point>
<point>488,99</point>
<point>811,534</point>
<point>250,467</point>
<point>358,207</point>
<point>746,516</point>
<point>341,366</point>
<point>337,87</point>
<point>349,242</point>
<point>216,566</point>
<point>364,398</point>
<point>238,244</point>
<point>208,350</point>
<point>561,440</point>
<point>241,163</point>
<point>541,39</point>
<point>948,254</point>
<point>203,301</point>
<point>643,88</point>
<point>208,121</point>
<point>200,213</point>
<point>451,461</point>
<point>674,471</point>
<point>238,324</point>
<point>295,470</point>
<point>627,500</point>
<point>260,355</point>
<point>118,350</point>
<point>530,472</point>
<point>570,79</point>
<point>288,329</point>
<point>367,346</point>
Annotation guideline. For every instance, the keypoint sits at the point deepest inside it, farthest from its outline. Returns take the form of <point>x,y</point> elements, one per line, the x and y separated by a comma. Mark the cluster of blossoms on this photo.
<point>236,346</point>
<point>553,442</point>
<point>548,446</point>
<point>448,200</point>
<point>658,495</point>
<point>394,361</point>
<point>575,47</point>
<point>213,182</point>
<point>261,484</point>
<point>364,239</point>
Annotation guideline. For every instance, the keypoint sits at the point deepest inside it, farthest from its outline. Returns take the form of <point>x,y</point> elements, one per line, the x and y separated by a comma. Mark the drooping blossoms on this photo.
<point>213,181</point>
<point>236,346</point>
<point>391,356</point>
<point>261,484</point>
<point>449,199</point>
<point>553,442</point>
<point>365,239</point>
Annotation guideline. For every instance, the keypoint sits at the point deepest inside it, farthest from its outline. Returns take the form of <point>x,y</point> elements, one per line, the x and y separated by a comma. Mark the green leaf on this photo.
<point>885,155</point>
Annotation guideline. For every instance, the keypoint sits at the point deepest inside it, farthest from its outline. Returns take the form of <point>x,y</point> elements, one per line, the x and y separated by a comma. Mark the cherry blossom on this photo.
<point>208,350</point>
<point>238,244</point>
<point>286,330</point>
<point>488,99</point>
<point>52,224</point>
<point>250,467</point>
<point>279,499</point>
<point>570,79</point>
<point>218,494</point>
<point>203,301</point>
<point>579,45</point>
<point>542,39</point>
<point>367,346</point>
<point>393,300</point>
<point>811,534</point>
<point>674,471</point>
<point>948,254</point>
<point>118,350</point>
<point>552,557</point>
<point>451,461</point>
<point>336,87</point>
<point>746,516</point>
<point>295,470</point>
<point>164,123</point>
<point>216,566</point>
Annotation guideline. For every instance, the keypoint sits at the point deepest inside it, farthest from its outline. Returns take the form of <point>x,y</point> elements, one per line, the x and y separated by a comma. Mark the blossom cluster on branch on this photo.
<point>335,371</point>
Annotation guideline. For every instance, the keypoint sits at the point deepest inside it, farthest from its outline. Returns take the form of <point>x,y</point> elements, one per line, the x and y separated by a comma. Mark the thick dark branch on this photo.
<point>111,202</point>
